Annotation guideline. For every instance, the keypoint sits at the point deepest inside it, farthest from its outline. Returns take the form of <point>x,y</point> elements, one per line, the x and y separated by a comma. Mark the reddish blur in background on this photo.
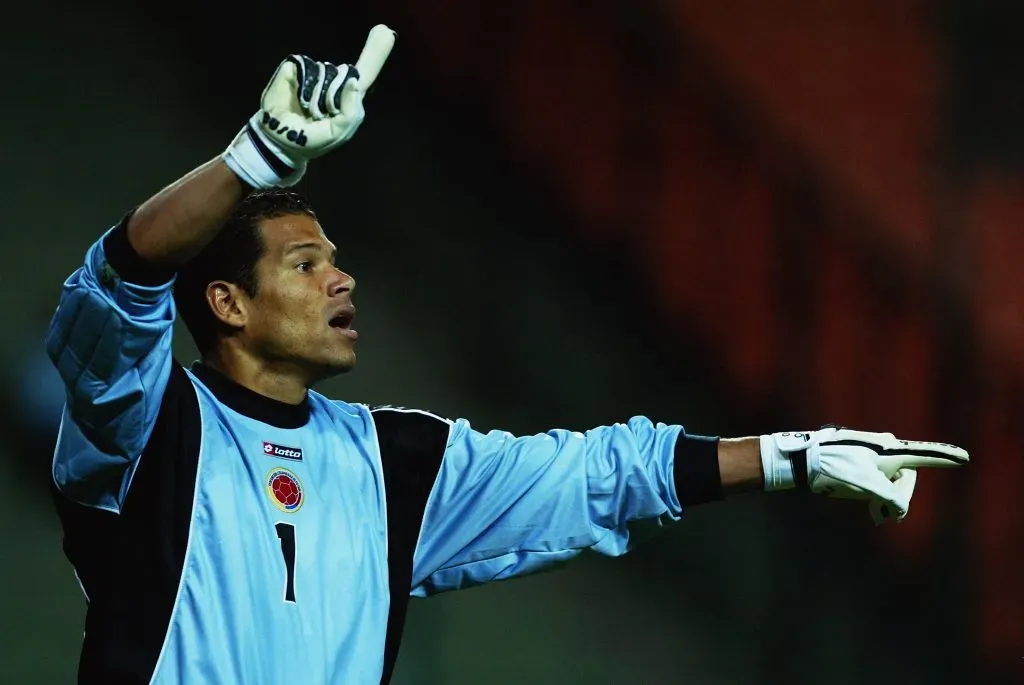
<point>737,215</point>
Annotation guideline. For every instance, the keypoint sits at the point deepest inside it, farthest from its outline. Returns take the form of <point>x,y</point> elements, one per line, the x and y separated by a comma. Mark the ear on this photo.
<point>228,302</point>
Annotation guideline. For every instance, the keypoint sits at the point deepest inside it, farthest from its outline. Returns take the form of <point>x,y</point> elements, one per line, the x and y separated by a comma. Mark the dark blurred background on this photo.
<point>738,215</point>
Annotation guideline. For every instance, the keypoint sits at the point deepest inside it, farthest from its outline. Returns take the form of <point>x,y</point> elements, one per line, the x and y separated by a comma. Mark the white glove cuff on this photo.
<point>254,160</point>
<point>784,458</point>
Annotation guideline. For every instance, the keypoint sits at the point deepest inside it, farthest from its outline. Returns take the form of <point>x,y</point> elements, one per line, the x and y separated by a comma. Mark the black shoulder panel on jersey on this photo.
<point>412,444</point>
<point>130,564</point>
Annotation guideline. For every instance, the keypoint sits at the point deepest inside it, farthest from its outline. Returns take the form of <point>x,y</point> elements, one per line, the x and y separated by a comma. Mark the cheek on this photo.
<point>269,315</point>
<point>289,313</point>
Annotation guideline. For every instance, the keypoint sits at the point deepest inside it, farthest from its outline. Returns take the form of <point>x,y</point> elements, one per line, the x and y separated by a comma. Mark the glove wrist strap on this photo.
<point>784,461</point>
<point>253,159</point>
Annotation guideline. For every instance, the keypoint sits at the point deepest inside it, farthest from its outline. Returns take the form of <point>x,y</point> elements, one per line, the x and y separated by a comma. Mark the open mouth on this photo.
<point>342,322</point>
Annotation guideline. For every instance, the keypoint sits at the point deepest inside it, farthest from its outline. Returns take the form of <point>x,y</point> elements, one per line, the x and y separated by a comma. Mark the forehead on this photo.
<point>282,232</point>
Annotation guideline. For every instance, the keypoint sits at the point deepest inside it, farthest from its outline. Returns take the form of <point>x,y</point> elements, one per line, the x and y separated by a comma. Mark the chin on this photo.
<point>340,364</point>
<point>328,363</point>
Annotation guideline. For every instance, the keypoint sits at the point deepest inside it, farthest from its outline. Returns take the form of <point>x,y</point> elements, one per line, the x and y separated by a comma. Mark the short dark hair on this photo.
<point>231,256</point>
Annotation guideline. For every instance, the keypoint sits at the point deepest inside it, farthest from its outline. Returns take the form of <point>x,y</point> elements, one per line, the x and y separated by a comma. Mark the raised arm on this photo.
<point>307,109</point>
<point>110,337</point>
<point>176,223</point>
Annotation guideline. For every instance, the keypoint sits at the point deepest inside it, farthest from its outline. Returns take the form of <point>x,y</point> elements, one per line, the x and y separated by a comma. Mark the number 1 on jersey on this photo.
<point>286,533</point>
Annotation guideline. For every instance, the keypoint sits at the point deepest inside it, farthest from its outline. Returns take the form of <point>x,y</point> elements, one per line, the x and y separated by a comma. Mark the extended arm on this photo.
<point>504,506</point>
<point>739,464</point>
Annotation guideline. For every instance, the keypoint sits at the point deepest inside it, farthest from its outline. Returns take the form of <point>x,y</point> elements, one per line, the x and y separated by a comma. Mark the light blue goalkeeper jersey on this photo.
<point>224,537</point>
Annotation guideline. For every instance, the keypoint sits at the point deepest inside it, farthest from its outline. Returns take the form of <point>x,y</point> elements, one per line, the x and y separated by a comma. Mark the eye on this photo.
<point>304,267</point>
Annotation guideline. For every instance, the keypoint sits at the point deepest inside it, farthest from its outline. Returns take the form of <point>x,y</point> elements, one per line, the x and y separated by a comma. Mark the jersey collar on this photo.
<point>252,404</point>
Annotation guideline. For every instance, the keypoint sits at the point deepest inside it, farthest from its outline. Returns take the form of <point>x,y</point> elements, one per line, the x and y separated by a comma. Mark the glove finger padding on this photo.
<point>308,73</point>
<point>307,109</point>
<point>894,454</point>
<point>337,77</point>
<point>904,482</point>
<point>285,101</point>
<point>326,101</point>
<point>284,123</point>
<point>915,454</point>
<point>315,107</point>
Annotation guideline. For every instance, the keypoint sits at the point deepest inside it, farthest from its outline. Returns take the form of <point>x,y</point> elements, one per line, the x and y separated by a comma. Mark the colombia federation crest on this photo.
<point>284,489</point>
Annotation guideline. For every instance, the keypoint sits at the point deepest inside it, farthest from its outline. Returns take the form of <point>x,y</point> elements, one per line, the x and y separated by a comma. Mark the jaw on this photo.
<point>333,361</point>
<point>294,346</point>
<point>309,364</point>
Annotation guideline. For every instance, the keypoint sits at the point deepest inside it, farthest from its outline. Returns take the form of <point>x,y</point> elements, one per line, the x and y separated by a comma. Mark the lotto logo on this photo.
<point>293,453</point>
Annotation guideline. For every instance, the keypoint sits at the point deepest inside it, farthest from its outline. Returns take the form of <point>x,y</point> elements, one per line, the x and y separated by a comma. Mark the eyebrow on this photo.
<point>310,246</point>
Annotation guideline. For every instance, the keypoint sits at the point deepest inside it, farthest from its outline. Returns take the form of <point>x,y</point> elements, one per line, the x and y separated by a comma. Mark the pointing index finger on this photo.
<point>375,53</point>
<point>914,455</point>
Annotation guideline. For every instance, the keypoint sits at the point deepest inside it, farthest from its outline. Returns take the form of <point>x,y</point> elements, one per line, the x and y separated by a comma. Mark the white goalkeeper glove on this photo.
<point>308,109</point>
<point>844,463</point>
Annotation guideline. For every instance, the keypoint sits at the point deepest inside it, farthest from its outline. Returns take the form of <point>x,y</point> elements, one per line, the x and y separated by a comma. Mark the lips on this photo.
<point>341,320</point>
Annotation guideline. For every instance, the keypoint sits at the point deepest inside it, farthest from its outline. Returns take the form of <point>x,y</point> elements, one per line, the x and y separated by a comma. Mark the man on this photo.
<point>230,525</point>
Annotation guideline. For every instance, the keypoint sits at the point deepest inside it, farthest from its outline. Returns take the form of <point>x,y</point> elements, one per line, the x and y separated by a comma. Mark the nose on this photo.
<point>342,284</point>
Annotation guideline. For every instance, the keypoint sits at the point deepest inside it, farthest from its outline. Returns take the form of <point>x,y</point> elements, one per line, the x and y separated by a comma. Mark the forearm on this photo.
<point>708,469</point>
<point>176,223</point>
<point>739,463</point>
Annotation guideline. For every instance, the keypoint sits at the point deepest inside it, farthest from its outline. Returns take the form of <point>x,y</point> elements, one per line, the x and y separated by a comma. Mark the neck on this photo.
<point>274,381</point>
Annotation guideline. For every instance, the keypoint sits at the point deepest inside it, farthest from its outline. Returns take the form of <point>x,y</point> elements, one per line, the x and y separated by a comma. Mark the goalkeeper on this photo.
<point>230,525</point>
